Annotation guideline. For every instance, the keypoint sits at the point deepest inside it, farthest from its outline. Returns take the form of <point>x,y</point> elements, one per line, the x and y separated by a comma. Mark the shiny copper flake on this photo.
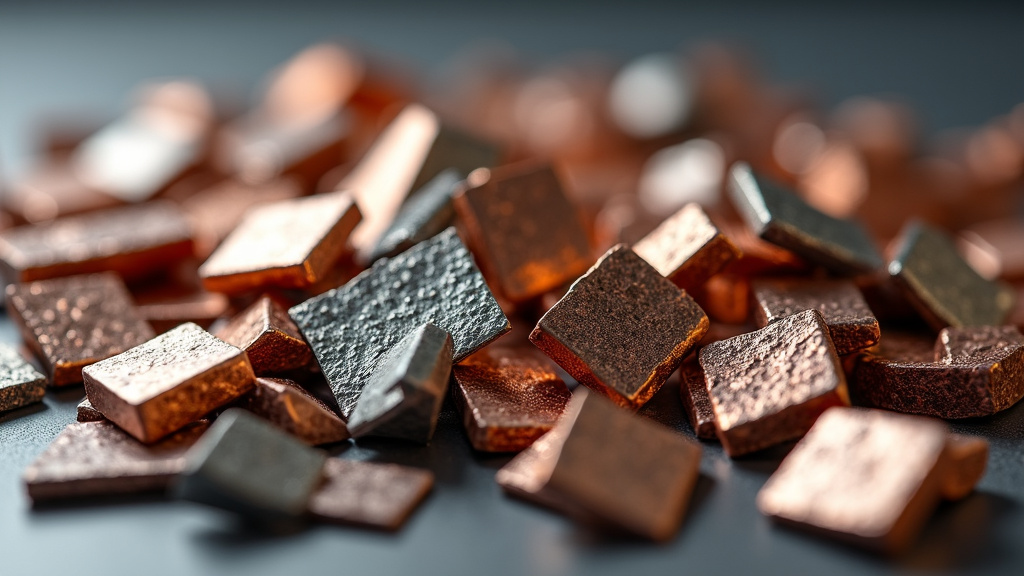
<point>269,336</point>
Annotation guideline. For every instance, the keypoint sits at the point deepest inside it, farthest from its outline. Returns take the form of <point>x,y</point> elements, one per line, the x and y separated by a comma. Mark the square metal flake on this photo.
<point>20,383</point>
<point>269,337</point>
<point>368,494</point>
<point>426,213</point>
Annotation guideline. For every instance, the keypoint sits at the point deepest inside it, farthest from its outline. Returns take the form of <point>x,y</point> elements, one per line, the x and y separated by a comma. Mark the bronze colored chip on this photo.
<point>696,401</point>
<point>286,405</point>
<point>51,190</point>
<point>368,494</point>
<point>945,289</point>
<point>508,397</point>
<point>133,241</point>
<point>622,328</point>
<point>20,383</point>
<point>426,213</point>
<point>269,336</point>
<point>201,308</point>
<point>769,386</point>
<point>973,372</point>
<point>86,413</point>
<point>73,322</point>
<point>601,463</point>
<point>968,458</point>
<point>869,477</point>
<point>413,149</point>
<point>288,244</point>
<point>217,210</point>
<point>725,298</point>
<point>850,322</point>
<point>687,248</point>
<point>523,231</point>
<point>100,459</point>
<point>172,380</point>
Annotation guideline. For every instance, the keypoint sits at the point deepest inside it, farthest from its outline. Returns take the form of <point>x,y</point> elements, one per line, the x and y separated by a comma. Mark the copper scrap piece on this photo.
<point>725,298</point>
<point>368,494</point>
<point>86,413</point>
<point>216,211</point>
<point>687,248</point>
<point>850,321</point>
<point>51,190</point>
<point>286,405</point>
<point>73,322</point>
<point>781,217</point>
<point>403,396</point>
<point>696,400</point>
<point>993,248</point>
<point>968,458</point>
<point>758,257</point>
<point>269,336</point>
<point>622,328</point>
<point>200,308</point>
<point>168,382</point>
<point>288,244</point>
<point>508,397</point>
<point>20,383</point>
<point>973,372</point>
<point>100,459</point>
<point>868,477</point>
<point>769,386</point>
<point>523,230</point>
<point>133,241</point>
<point>603,464</point>
<point>943,288</point>
<point>413,149</point>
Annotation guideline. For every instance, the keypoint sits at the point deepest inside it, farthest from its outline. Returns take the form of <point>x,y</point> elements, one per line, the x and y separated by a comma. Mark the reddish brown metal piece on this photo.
<point>369,494</point>
<point>269,336</point>
<point>51,190</point>
<point>286,405</point>
<point>696,401</point>
<point>687,248</point>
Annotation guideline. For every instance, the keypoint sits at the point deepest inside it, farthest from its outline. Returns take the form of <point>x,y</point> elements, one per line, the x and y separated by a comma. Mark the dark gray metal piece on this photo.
<point>351,328</point>
<point>20,383</point>
<point>428,211</point>
<point>246,465</point>
<point>404,393</point>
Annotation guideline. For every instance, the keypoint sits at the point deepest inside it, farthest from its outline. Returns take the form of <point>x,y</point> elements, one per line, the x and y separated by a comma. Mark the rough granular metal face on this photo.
<point>866,476</point>
<point>426,213</point>
<point>508,397</point>
<point>352,327</point>
<point>86,413</point>
<point>402,398</point>
<point>622,328</point>
<point>782,218</point>
<point>605,464</point>
<point>73,322</point>
<point>172,380</point>
<point>687,248</point>
<point>523,231</point>
<point>100,459</point>
<point>133,241</point>
<point>287,244</point>
<point>20,383</point>
<point>286,405</point>
<point>850,321</point>
<point>246,465</point>
<point>693,392</point>
<point>944,288</point>
<point>368,494</point>
<point>769,386</point>
<point>269,337</point>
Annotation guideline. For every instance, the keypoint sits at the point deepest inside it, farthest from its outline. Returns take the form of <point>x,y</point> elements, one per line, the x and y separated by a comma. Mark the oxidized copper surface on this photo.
<point>72,322</point>
<point>622,328</point>
<point>508,397</point>
<point>369,494</point>
<point>174,379</point>
<point>20,383</point>
<point>288,244</point>
<point>288,406</point>
<point>269,336</point>
<point>769,386</point>
<point>696,401</point>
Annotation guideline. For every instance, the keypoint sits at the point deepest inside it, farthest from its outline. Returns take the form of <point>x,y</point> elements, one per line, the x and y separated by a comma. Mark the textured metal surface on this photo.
<point>622,328</point>
<point>607,465</point>
<point>133,241</point>
<point>201,308</point>
<point>172,380</point>
<point>427,212</point>
<point>403,394</point>
<point>99,459</point>
<point>523,230</point>
<point>687,248</point>
<point>850,321</point>
<point>288,244</point>
<point>693,392</point>
<point>781,217</point>
<point>367,494</point>
<point>288,406</point>
<point>269,337</point>
<point>86,413</point>
<point>972,372</point>
<point>769,386</point>
<point>869,477</point>
<point>352,327</point>
<point>73,322</point>
<point>246,465</point>
<point>508,397</point>
<point>20,383</point>
<point>215,211</point>
<point>943,288</point>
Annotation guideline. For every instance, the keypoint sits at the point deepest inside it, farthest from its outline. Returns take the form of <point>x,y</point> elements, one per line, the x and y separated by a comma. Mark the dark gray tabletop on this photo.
<point>956,64</point>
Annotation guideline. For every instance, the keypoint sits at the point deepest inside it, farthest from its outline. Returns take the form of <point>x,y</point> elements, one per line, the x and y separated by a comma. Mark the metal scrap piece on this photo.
<point>86,413</point>
<point>201,308</point>
<point>427,212</point>
<point>288,406</point>
<point>269,337</point>
<point>20,383</point>
<point>368,494</point>
<point>696,401</point>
